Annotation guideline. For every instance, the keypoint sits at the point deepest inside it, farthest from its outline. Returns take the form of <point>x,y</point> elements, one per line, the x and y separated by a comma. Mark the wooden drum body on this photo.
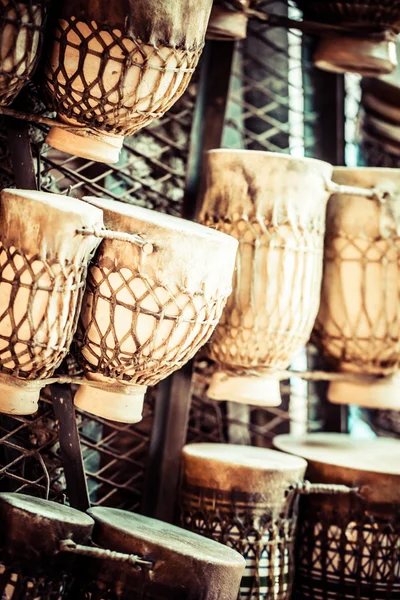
<point>145,315</point>
<point>358,324</point>
<point>116,66</point>
<point>22,26</point>
<point>143,559</point>
<point>31,531</point>
<point>245,497</point>
<point>43,267</point>
<point>274,205</point>
<point>348,545</point>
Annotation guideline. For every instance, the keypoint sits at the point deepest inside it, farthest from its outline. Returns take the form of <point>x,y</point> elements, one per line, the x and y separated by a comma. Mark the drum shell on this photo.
<point>275,206</point>
<point>248,504</point>
<point>358,324</point>
<point>163,306</point>
<point>348,543</point>
<point>43,267</point>
<point>134,62</point>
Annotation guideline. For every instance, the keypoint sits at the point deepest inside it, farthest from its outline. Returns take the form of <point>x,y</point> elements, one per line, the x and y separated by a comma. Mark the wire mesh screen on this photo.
<point>114,456</point>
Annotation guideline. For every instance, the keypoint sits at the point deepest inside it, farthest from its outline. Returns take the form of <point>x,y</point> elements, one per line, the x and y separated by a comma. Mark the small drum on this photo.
<point>137,558</point>
<point>31,533</point>
<point>147,312</point>
<point>348,546</point>
<point>274,205</point>
<point>246,498</point>
<point>227,23</point>
<point>358,324</point>
<point>44,256</point>
<point>370,48</point>
<point>115,66</point>
<point>22,24</point>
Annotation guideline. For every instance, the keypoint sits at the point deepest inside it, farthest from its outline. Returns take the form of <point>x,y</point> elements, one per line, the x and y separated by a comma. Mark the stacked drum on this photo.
<point>246,498</point>
<point>348,545</point>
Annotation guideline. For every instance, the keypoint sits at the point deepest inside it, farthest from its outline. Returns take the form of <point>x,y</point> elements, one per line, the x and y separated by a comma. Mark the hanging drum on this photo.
<point>241,496</point>
<point>358,324</point>
<point>21,35</point>
<point>228,21</point>
<point>31,535</point>
<point>148,309</point>
<point>367,44</point>
<point>116,66</point>
<point>348,546</point>
<point>274,205</point>
<point>43,267</point>
<point>137,558</point>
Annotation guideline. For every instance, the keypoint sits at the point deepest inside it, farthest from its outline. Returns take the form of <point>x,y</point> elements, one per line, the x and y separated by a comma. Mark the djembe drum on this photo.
<point>31,533</point>
<point>228,21</point>
<point>245,497</point>
<point>368,47</point>
<point>358,324</point>
<point>22,26</point>
<point>147,310</point>
<point>348,546</point>
<point>116,66</point>
<point>138,558</point>
<point>44,256</point>
<point>274,205</point>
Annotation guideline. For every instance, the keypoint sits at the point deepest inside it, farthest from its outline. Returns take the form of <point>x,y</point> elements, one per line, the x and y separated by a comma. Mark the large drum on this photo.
<point>348,546</point>
<point>274,205</point>
<point>138,558</point>
<point>147,310</point>
<point>31,534</point>
<point>246,498</point>
<point>116,66</point>
<point>358,324</point>
<point>44,257</point>
<point>22,24</point>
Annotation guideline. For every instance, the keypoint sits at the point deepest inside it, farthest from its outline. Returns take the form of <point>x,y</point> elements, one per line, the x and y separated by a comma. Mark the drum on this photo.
<point>358,324</point>
<point>228,22</point>
<point>348,546</point>
<point>116,66</point>
<point>31,531</point>
<point>245,497</point>
<point>274,205</point>
<point>138,558</point>
<point>44,257</point>
<point>148,310</point>
<point>369,46</point>
<point>22,26</point>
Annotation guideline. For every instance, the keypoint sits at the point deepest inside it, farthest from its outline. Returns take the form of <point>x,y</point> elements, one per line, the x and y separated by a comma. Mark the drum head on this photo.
<point>378,455</point>
<point>243,456</point>
<point>128,532</point>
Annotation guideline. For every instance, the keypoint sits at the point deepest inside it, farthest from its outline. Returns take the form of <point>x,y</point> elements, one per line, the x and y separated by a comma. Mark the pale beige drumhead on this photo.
<point>188,253</point>
<point>245,467</point>
<point>373,465</point>
<point>379,455</point>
